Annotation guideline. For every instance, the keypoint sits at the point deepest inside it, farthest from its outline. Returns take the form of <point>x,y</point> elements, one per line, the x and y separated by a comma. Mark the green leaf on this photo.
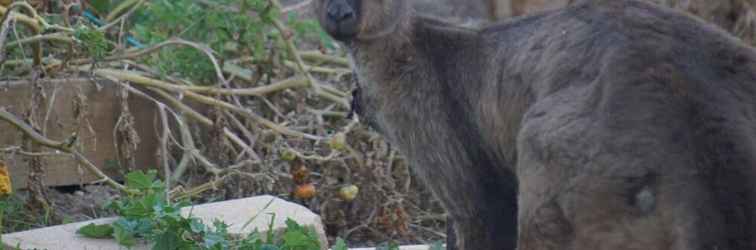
<point>197,226</point>
<point>124,234</point>
<point>340,245</point>
<point>220,226</point>
<point>388,246</point>
<point>143,226</point>
<point>168,241</point>
<point>142,206</point>
<point>215,240</point>
<point>269,247</point>
<point>102,6</point>
<point>292,225</point>
<point>251,242</point>
<point>140,180</point>
<point>299,237</point>
<point>270,237</point>
<point>92,41</point>
<point>295,239</point>
<point>96,231</point>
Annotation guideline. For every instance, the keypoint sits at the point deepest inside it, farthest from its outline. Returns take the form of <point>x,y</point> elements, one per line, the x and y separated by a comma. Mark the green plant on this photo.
<point>340,245</point>
<point>388,246</point>
<point>15,217</point>
<point>93,42</point>
<point>148,214</point>
<point>231,28</point>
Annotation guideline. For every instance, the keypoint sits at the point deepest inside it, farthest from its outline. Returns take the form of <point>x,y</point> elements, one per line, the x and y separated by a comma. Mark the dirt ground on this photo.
<point>82,203</point>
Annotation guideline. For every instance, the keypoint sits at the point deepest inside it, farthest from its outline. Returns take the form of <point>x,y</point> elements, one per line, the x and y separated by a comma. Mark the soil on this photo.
<point>82,203</point>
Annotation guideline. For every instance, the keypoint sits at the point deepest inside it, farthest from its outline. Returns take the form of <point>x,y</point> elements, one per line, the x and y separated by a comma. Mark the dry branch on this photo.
<point>332,95</point>
<point>136,78</point>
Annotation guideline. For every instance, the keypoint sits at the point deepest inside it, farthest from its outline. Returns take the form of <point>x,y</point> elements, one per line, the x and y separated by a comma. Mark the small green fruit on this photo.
<point>349,192</point>
<point>288,155</point>
<point>338,142</point>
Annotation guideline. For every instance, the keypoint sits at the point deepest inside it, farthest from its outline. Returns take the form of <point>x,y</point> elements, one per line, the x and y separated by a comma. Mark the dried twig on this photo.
<point>150,82</point>
<point>334,96</point>
<point>32,22</point>
<point>164,145</point>
<point>296,7</point>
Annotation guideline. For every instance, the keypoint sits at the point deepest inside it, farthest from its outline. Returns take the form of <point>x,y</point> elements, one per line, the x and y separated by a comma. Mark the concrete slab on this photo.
<point>409,247</point>
<point>256,212</point>
<point>61,237</point>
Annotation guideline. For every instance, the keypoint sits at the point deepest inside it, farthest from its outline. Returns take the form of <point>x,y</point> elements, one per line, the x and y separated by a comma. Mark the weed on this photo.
<point>147,214</point>
<point>226,26</point>
<point>15,217</point>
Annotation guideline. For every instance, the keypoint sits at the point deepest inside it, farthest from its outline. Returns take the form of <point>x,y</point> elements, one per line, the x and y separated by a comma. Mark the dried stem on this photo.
<point>32,23</point>
<point>151,82</point>
<point>337,97</point>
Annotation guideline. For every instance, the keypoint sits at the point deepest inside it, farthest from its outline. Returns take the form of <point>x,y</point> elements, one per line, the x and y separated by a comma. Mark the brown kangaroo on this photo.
<point>608,124</point>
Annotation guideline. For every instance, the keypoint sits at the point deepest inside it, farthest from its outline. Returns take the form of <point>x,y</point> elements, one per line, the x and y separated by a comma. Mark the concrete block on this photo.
<point>62,237</point>
<point>409,247</point>
<point>256,211</point>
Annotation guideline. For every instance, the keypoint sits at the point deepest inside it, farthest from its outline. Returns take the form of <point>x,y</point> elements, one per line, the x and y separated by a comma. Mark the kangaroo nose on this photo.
<point>340,11</point>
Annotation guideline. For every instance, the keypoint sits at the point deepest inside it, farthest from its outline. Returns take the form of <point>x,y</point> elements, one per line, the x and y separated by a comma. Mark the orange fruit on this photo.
<point>305,191</point>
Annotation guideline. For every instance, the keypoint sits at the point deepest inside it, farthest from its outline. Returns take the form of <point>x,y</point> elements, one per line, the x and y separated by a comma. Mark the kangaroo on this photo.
<point>608,124</point>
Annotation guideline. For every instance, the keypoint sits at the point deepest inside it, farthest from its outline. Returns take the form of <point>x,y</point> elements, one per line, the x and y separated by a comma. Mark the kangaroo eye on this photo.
<point>641,193</point>
<point>644,200</point>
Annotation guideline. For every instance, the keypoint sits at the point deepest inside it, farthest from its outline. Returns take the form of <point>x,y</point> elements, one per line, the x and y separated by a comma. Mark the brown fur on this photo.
<point>610,124</point>
<point>736,16</point>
